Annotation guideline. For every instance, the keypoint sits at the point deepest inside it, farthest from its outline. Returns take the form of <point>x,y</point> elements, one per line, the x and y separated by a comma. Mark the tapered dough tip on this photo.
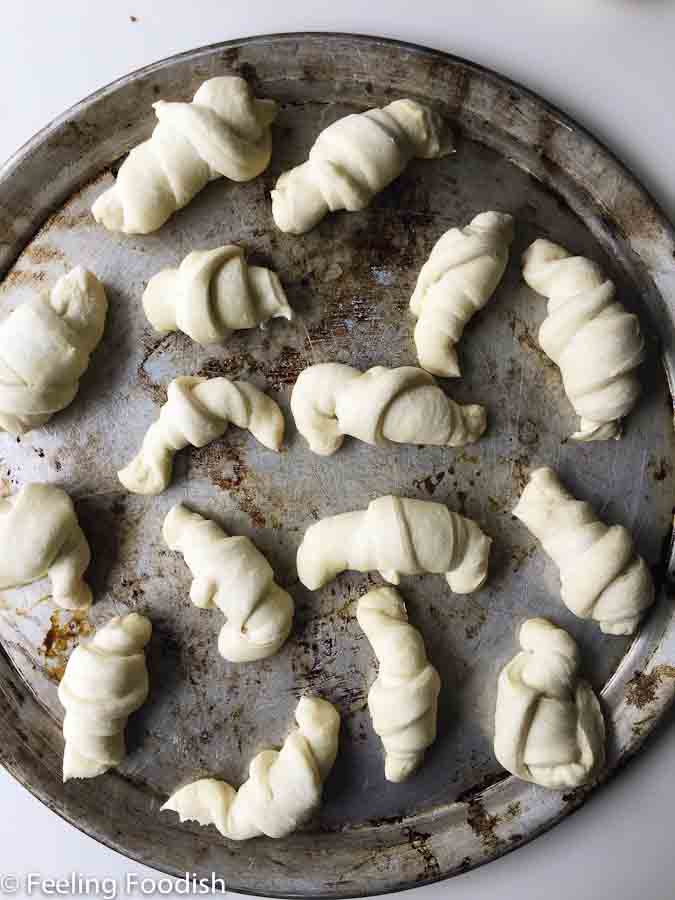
<point>472,574</point>
<point>138,478</point>
<point>496,221</point>
<point>108,210</point>
<point>398,768</point>
<point>475,417</point>
<point>174,522</point>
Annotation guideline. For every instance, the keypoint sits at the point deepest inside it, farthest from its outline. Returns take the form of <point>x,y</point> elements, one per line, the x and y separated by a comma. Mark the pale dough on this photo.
<point>212,294</point>
<point>224,131</point>
<point>232,574</point>
<point>589,335</point>
<point>45,345</point>
<point>106,679</point>
<point>40,525</point>
<point>404,405</point>
<point>396,537</point>
<point>197,411</point>
<point>549,727</point>
<point>403,700</point>
<point>601,575</point>
<point>458,279</point>
<point>355,158</point>
<point>283,788</point>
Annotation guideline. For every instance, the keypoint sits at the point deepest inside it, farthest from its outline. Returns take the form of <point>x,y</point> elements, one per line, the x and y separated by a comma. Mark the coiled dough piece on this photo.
<point>232,574</point>
<point>224,131</point>
<point>355,158</point>
<point>283,788</point>
<point>602,577</point>
<point>45,345</point>
<point>380,406</point>
<point>106,680</point>
<point>212,294</point>
<point>40,526</point>
<point>549,727</point>
<point>589,335</point>
<point>403,700</point>
<point>458,279</point>
<point>197,411</point>
<point>396,537</point>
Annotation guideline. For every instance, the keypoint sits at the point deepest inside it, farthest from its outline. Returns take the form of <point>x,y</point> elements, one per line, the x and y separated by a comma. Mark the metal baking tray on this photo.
<point>349,280</point>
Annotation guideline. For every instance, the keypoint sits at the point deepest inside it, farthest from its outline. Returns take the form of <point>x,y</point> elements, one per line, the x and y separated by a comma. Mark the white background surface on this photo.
<point>611,65</point>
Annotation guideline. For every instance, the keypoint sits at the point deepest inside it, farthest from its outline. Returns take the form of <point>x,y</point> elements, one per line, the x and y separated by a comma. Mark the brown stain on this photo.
<point>520,473</point>
<point>20,277</point>
<point>520,554</point>
<point>430,483</point>
<point>41,254</point>
<point>279,373</point>
<point>61,635</point>
<point>660,468</point>
<point>214,460</point>
<point>418,840</point>
<point>483,825</point>
<point>643,687</point>
<point>530,345</point>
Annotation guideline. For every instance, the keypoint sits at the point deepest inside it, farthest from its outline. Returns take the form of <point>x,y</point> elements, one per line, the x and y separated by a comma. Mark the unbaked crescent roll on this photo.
<point>232,574</point>
<point>197,411</point>
<point>40,536</point>
<point>589,335</point>
<point>106,679</point>
<point>601,575</point>
<point>224,131</point>
<point>549,727</point>
<point>396,536</point>
<point>283,788</point>
<point>212,294</point>
<point>355,158</point>
<point>403,700</point>
<point>458,279</point>
<point>380,406</point>
<point>45,345</point>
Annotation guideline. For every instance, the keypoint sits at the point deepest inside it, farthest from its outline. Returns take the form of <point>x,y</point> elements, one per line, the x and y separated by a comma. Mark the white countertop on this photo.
<point>610,64</point>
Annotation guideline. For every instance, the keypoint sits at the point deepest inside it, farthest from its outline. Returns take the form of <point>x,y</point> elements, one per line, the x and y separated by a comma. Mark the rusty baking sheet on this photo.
<point>349,281</point>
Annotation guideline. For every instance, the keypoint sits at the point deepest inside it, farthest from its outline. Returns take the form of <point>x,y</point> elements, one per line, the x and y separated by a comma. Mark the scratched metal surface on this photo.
<point>349,281</point>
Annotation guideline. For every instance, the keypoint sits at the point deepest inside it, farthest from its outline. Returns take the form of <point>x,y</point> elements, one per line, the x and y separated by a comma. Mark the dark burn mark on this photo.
<point>483,825</point>
<point>660,469</point>
<point>642,689</point>
<point>475,790</point>
<point>220,457</point>
<point>418,841</point>
<point>430,483</point>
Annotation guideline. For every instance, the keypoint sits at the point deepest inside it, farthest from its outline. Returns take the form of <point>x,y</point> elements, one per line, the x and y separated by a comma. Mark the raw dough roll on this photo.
<point>283,788</point>
<point>458,279</point>
<point>601,575</point>
<point>197,411</point>
<point>549,727</point>
<point>106,680</point>
<point>40,525</point>
<point>232,574</point>
<point>396,537</point>
<point>355,158</point>
<point>589,335</point>
<point>224,131</point>
<point>45,345</point>
<point>380,406</point>
<point>212,294</point>
<point>403,700</point>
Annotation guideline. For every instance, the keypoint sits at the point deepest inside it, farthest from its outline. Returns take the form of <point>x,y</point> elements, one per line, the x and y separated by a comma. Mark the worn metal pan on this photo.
<point>349,280</point>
